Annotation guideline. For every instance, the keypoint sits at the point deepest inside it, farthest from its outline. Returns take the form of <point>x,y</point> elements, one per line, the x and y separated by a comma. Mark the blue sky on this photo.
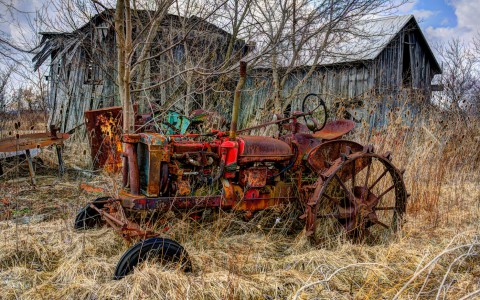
<point>442,20</point>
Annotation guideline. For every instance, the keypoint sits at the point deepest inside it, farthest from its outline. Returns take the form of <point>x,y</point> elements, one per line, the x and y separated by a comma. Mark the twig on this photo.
<point>469,296</point>
<point>333,274</point>
<point>448,271</point>
<point>434,260</point>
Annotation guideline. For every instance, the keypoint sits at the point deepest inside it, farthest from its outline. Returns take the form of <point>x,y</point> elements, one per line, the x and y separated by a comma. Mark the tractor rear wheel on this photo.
<point>163,250</point>
<point>361,196</point>
<point>87,217</point>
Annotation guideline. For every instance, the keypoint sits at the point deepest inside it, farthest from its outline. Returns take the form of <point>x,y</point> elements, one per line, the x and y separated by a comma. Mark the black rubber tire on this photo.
<point>163,248</point>
<point>87,217</point>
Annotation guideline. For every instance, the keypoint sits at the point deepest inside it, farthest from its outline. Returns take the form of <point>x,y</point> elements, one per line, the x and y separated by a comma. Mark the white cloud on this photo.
<point>406,8</point>
<point>442,34</point>
<point>467,13</point>
<point>421,14</point>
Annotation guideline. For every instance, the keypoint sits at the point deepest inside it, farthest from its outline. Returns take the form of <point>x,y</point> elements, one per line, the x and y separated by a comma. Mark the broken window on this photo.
<point>92,72</point>
<point>406,65</point>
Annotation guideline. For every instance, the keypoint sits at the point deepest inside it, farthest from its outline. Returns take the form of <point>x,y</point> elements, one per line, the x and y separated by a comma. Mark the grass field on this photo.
<point>435,256</point>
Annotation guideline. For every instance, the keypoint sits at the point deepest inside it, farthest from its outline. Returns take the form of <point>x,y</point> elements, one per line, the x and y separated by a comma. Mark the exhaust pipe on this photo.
<point>236,100</point>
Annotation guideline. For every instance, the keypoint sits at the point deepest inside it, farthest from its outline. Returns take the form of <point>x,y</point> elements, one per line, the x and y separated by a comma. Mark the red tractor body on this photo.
<point>337,184</point>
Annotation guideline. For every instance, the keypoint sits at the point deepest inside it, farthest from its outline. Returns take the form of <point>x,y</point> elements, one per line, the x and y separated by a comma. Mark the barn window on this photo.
<point>288,110</point>
<point>407,65</point>
<point>89,73</point>
<point>92,73</point>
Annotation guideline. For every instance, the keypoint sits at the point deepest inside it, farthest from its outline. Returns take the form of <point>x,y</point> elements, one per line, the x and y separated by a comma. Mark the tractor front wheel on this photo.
<point>166,251</point>
<point>87,217</point>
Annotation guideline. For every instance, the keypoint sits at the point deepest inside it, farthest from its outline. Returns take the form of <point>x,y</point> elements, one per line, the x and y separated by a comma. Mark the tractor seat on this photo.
<point>335,129</point>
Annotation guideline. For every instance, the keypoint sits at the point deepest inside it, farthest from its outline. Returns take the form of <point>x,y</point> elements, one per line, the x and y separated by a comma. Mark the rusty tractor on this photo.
<point>340,187</point>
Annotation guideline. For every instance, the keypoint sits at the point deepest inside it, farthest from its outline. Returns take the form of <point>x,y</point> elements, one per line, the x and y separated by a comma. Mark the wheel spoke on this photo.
<point>384,193</point>
<point>333,200</point>
<point>350,196</point>
<point>366,181</point>
<point>386,208</point>
<point>378,180</point>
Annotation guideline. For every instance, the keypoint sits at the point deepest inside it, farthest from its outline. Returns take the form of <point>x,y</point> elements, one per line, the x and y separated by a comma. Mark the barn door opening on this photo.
<point>407,64</point>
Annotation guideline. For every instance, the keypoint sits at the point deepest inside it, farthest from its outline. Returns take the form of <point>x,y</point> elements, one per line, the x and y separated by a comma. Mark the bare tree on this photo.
<point>460,78</point>
<point>191,63</point>
<point>4,79</point>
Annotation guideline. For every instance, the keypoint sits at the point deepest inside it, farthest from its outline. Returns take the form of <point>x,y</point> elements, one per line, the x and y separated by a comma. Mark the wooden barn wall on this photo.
<point>391,91</point>
<point>72,91</point>
<point>334,84</point>
<point>387,67</point>
<point>377,84</point>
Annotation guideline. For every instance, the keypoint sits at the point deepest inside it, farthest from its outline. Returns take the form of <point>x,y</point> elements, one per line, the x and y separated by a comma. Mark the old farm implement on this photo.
<point>339,186</point>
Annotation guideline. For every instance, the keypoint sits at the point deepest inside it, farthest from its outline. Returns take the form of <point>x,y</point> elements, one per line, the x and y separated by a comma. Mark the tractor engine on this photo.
<point>167,163</point>
<point>245,171</point>
<point>251,173</point>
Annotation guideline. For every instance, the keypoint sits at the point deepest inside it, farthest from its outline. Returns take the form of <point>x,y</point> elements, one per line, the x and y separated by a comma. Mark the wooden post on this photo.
<point>30,167</point>
<point>61,168</point>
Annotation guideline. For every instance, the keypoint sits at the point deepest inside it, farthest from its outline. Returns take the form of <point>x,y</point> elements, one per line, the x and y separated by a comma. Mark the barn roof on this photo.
<point>368,39</point>
<point>65,41</point>
<point>363,41</point>
<point>371,36</point>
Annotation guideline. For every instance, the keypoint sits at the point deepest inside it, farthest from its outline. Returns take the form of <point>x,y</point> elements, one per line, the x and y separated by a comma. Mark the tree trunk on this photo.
<point>123,28</point>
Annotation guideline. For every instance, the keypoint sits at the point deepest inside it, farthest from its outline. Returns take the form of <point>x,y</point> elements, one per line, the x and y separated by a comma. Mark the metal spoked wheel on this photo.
<point>161,250</point>
<point>361,196</point>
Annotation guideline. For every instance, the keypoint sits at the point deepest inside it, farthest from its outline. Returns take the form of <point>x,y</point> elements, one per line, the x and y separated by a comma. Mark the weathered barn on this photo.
<point>386,64</point>
<point>83,65</point>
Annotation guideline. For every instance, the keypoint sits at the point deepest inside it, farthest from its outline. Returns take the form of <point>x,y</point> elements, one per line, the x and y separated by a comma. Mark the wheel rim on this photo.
<point>87,217</point>
<point>160,250</point>
<point>361,196</point>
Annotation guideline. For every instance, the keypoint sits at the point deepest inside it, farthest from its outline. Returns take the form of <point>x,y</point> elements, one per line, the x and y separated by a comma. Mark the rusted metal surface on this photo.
<point>255,177</point>
<point>104,127</point>
<point>323,156</point>
<point>163,172</point>
<point>357,211</point>
<point>261,148</point>
<point>114,214</point>
<point>335,129</point>
<point>31,141</point>
<point>132,165</point>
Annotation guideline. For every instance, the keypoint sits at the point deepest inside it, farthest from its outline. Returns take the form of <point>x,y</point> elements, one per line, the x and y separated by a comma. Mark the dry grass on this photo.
<point>436,256</point>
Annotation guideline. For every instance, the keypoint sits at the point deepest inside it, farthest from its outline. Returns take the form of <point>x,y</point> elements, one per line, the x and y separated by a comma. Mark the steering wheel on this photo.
<point>310,108</point>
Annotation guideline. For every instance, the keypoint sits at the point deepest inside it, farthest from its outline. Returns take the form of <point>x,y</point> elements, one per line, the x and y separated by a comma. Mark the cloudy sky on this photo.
<point>442,20</point>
